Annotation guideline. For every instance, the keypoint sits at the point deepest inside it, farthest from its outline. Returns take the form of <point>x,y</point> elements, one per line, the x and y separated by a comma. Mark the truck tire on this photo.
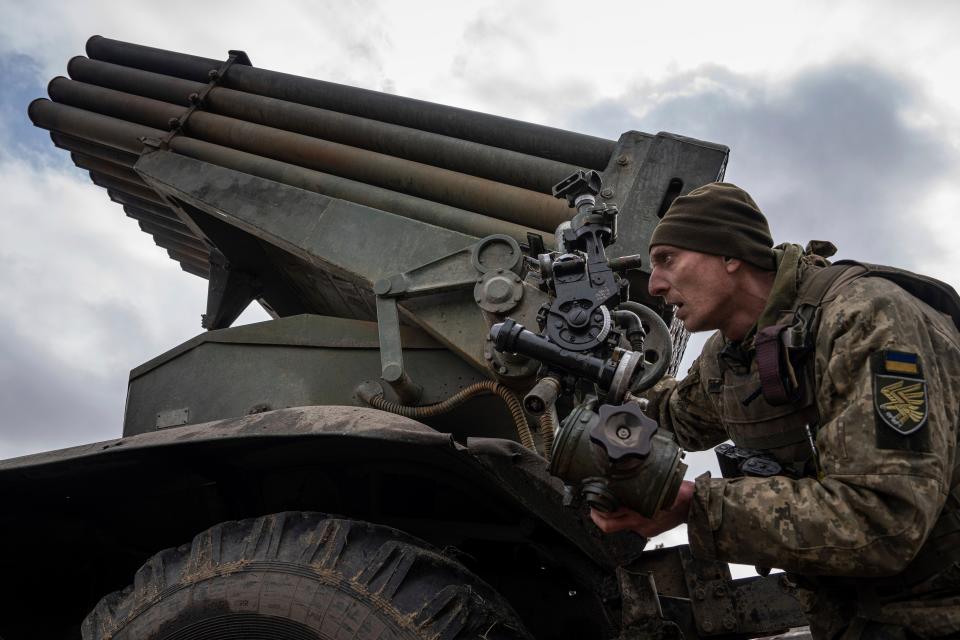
<point>303,576</point>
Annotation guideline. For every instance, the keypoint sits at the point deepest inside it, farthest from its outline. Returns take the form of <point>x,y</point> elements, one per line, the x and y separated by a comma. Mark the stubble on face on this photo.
<point>697,284</point>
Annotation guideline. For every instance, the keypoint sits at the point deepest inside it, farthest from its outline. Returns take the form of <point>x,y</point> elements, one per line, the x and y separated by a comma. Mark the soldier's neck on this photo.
<point>753,291</point>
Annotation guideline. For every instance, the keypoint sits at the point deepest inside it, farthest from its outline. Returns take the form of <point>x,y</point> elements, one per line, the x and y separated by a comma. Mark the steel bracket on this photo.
<point>490,265</point>
<point>228,293</point>
<point>702,599</point>
<point>751,606</point>
<point>198,100</point>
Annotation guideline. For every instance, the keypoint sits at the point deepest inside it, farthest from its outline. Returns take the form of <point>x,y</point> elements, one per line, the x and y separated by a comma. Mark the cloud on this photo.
<point>47,405</point>
<point>87,296</point>
<point>21,84</point>
<point>827,153</point>
<point>830,152</point>
<point>336,41</point>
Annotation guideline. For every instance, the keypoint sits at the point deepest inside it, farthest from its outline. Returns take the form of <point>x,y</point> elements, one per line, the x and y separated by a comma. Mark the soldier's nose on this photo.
<point>656,286</point>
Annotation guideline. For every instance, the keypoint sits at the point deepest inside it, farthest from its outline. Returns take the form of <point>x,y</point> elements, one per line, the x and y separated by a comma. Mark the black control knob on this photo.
<point>623,431</point>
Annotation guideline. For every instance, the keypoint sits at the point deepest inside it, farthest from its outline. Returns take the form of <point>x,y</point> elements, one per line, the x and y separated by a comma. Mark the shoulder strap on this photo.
<point>936,293</point>
<point>799,335</point>
<point>814,289</point>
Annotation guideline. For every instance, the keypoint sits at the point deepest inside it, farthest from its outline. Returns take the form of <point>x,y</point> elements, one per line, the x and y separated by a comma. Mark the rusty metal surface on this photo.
<point>666,566</point>
<point>462,220</point>
<point>491,198</point>
<point>520,206</point>
<point>104,130</point>
<point>548,142</point>
<point>115,104</point>
<point>398,155</point>
<point>93,150</point>
<point>464,156</point>
<point>642,617</point>
<point>129,80</point>
<point>119,134</point>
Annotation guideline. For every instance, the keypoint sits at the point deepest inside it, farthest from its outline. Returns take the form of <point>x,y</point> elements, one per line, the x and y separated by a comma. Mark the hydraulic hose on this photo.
<point>658,341</point>
<point>479,388</point>
<point>547,427</point>
<point>630,323</point>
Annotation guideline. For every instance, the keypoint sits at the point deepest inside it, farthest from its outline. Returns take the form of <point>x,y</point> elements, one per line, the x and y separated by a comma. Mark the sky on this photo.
<point>843,120</point>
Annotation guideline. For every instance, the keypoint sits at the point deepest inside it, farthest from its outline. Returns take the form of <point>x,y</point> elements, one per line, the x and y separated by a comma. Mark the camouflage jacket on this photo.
<point>879,493</point>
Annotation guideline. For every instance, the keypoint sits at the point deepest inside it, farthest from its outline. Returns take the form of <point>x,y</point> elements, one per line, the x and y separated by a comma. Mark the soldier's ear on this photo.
<point>732,264</point>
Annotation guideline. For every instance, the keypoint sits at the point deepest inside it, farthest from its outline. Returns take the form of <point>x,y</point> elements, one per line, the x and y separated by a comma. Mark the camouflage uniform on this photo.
<point>879,493</point>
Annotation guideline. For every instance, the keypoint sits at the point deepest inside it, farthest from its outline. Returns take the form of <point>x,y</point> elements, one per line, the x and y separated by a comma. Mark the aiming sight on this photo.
<point>591,336</point>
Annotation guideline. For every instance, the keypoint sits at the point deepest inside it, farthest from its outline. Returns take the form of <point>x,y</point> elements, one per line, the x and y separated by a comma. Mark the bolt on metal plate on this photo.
<point>173,418</point>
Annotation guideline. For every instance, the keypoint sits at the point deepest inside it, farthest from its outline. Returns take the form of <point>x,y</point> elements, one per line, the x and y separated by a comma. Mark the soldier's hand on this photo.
<point>628,520</point>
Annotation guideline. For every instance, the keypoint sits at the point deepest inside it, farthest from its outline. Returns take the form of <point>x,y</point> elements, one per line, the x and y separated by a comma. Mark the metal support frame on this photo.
<point>228,294</point>
<point>703,600</point>
<point>229,290</point>
<point>496,258</point>
<point>641,176</point>
<point>310,238</point>
<point>198,100</point>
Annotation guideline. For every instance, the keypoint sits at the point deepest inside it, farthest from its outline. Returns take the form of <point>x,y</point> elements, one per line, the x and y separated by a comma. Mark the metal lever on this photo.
<point>391,352</point>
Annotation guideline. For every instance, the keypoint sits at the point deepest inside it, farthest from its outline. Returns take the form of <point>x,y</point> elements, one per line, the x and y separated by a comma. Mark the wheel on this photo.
<point>303,576</point>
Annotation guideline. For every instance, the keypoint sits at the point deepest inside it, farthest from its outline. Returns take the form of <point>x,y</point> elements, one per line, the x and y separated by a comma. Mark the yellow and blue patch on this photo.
<point>901,362</point>
<point>899,400</point>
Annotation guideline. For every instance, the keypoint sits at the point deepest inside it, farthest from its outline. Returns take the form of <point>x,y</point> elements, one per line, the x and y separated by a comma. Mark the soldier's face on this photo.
<point>698,284</point>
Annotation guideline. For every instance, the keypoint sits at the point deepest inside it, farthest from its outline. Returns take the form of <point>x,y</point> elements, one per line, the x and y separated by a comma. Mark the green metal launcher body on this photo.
<point>373,460</point>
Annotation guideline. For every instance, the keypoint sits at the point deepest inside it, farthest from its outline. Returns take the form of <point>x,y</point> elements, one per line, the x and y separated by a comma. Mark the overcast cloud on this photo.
<point>842,122</point>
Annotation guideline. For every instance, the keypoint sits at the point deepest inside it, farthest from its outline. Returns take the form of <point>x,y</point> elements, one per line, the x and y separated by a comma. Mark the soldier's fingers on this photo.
<point>605,524</point>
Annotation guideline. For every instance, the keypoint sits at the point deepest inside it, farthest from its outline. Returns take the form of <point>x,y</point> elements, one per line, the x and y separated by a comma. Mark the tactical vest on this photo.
<point>770,410</point>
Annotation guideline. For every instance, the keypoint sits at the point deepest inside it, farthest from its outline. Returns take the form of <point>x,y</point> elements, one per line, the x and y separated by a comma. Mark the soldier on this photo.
<point>841,393</point>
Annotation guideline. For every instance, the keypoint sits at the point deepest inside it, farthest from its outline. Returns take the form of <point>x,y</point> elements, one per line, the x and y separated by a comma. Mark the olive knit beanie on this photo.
<point>721,219</point>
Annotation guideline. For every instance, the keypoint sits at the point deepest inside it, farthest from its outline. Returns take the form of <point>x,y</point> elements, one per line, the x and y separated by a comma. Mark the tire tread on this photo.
<point>425,593</point>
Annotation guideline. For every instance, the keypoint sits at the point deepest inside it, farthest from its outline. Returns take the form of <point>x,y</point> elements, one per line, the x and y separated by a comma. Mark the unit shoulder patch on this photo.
<point>901,403</point>
<point>899,391</point>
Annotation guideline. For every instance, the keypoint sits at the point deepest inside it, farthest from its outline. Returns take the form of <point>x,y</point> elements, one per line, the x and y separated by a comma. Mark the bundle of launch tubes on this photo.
<point>470,172</point>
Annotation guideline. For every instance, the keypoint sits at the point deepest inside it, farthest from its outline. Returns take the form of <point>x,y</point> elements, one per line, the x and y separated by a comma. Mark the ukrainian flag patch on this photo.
<point>901,362</point>
<point>899,400</point>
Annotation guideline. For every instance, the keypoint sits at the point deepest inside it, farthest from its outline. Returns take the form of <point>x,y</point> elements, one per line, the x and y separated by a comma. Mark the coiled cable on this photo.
<point>479,388</point>
<point>547,426</point>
